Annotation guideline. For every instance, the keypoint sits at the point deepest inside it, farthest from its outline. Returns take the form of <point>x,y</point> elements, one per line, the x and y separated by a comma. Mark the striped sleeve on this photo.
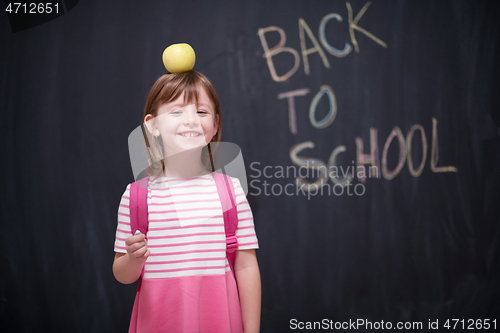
<point>245,232</point>
<point>123,228</point>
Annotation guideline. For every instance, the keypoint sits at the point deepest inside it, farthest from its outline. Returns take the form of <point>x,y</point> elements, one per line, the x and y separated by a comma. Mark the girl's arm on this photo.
<point>127,267</point>
<point>247,274</point>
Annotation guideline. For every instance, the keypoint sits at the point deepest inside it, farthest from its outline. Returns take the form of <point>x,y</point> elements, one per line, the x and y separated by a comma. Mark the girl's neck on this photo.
<point>184,165</point>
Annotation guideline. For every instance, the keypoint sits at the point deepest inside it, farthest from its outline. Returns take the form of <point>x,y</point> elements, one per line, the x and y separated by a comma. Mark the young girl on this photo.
<point>187,285</point>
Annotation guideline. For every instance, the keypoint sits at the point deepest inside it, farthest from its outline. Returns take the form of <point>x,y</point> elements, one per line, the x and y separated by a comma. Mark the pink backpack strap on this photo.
<point>139,210</point>
<point>139,206</point>
<point>227,197</point>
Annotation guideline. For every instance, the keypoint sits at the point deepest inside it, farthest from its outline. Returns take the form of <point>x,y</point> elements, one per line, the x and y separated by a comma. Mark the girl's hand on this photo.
<point>136,247</point>
<point>127,266</point>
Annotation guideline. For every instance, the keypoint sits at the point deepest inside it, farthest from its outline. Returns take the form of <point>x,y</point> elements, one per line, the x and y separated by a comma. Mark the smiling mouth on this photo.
<point>190,134</point>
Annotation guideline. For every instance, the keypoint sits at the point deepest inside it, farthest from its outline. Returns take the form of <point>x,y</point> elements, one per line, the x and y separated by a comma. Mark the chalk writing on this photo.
<point>292,118</point>
<point>435,151</point>
<point>304,29</point>
<point>310,163</point>
<point>353,25</point>
<point>371,159</point>
<point>409,141</point>
<point>347,177</point>
<point>317,48</point>
<point>332,112</point>
<point>322,37</point>
<point>396,132</point>
<point>280,47</point>
<point>369,163</point>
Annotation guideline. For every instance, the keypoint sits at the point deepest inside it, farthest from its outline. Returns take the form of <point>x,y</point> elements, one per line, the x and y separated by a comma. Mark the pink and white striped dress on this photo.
<point>188,285</point>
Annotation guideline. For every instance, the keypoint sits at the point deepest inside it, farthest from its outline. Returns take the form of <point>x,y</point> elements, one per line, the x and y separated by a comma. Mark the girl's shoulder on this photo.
<point>160,181</point>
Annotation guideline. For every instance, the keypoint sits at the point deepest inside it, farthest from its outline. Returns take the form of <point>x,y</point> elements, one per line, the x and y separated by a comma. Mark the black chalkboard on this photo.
<point>386,111</point>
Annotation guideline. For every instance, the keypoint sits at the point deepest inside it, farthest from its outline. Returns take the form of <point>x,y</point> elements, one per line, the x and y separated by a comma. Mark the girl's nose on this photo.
<point>191,117</point>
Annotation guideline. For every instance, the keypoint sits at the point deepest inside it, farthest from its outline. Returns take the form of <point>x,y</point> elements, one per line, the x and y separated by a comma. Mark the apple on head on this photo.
<point>179,58</point>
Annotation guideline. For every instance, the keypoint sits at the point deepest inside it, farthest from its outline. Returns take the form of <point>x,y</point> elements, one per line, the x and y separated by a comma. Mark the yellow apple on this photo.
<point>179,58</point>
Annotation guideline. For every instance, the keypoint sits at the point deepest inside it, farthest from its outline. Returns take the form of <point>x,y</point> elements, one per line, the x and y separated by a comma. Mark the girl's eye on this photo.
<point>176,112</point>
<point>202,112</point>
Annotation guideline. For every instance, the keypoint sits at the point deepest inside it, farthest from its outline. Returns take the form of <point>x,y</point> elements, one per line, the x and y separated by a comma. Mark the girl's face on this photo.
<point>184,126</point>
